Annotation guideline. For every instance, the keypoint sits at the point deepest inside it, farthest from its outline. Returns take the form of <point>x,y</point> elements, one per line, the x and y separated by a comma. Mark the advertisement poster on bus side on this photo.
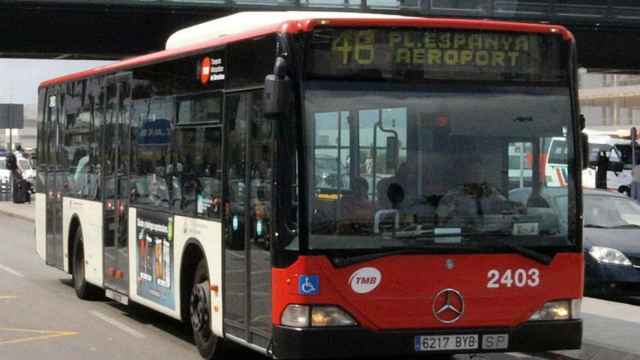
<point>154,246</point>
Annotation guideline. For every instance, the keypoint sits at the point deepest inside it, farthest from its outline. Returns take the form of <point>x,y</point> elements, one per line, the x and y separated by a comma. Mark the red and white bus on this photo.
<point>317,185</point>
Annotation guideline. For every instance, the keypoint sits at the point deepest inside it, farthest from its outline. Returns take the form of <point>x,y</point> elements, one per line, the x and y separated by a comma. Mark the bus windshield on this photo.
<point>435,165</point>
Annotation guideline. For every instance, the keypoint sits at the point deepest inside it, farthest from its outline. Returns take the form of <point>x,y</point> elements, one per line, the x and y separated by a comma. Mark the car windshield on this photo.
<point>402,165</point>
<point>610,211</point>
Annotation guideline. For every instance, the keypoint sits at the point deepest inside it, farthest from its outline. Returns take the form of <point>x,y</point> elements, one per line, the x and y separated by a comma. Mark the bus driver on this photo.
<point>469,202</point>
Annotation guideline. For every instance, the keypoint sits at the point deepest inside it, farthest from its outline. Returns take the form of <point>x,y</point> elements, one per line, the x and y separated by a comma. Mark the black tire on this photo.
<point>207,342</point>
<point>84,290</point>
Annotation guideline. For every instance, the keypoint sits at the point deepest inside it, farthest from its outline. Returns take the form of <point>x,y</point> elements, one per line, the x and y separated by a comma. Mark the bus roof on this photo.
<point>247,25</point>
<point>250,21</point>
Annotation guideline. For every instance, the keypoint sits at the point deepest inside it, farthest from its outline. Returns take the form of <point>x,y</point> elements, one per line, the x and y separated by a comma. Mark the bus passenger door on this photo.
<point>54,180</point>
<point>248,217</point>
<point>260,161</point>
<point>115,172</point>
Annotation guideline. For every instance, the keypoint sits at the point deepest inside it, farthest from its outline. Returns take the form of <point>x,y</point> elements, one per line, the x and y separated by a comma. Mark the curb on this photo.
<point>17,216</point>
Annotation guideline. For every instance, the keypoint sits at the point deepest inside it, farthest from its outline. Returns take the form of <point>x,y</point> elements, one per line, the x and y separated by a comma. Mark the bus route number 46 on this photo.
<point>510,278</point>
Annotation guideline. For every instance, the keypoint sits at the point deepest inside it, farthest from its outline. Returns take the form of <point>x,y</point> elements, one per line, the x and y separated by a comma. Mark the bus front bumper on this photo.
<point>538,336</point>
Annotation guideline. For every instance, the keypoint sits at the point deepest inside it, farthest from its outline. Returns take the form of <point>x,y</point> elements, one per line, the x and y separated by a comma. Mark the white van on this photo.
<point>25,166</point>
<point>617,148</point>
<point>27,169</point>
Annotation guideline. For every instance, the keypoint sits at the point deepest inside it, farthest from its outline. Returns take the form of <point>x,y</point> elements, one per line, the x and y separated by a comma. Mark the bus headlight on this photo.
<point>330,316</point>
<point>556,310</point>
<point>296,316</point>
<point>609,256</point>
<point>302,316</point>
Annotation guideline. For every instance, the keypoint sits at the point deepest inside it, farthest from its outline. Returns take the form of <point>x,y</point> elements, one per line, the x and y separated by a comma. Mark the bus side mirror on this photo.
<point>586,156</point>
<point>277,90</point>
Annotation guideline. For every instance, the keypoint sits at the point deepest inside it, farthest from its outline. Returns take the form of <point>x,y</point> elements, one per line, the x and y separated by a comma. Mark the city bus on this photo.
<point>187,181</point>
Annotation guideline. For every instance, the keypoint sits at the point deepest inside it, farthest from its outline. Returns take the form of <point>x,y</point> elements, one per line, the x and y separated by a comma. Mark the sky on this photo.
<point>19,78</point>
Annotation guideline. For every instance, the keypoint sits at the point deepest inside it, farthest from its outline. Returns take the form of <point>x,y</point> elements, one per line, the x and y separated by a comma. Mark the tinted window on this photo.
<point>250,61</point>
<point>152,181</point>
<point>198,170</point>
<point>201,109</point>
<point>78,143</point>
<point>41,161</point>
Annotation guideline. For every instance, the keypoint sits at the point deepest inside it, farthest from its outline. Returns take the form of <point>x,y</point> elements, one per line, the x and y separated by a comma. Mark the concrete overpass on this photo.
<point>608,31</point>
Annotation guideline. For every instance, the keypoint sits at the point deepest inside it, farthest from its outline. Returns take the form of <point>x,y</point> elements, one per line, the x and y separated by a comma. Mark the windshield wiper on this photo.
<point>593,226</point>
<point>528,252</point>
<point>522,250</point>
<point>346,261</point>
<point>625,226</point>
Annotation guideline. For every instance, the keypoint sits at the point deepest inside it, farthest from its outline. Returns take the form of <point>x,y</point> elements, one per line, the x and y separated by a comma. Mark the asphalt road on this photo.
<point>41,318</point>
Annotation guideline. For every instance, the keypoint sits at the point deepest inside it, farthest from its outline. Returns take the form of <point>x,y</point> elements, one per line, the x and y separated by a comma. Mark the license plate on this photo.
<point>495,341</point>
<point>446,342</point>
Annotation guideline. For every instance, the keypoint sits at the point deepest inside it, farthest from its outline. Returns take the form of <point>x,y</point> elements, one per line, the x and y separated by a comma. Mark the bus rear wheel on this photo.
<point>207,342</point>
<point>84,290</point>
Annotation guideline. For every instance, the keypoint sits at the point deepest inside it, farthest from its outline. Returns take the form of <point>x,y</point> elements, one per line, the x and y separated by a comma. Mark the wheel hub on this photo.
<point>200,306</point>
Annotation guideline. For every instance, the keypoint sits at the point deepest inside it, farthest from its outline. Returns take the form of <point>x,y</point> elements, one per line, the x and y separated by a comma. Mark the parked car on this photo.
<point>611,244</point>
<point>611,239</point>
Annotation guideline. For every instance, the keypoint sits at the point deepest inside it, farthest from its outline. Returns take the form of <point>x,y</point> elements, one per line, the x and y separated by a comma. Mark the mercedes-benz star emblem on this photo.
<point>448,306</point>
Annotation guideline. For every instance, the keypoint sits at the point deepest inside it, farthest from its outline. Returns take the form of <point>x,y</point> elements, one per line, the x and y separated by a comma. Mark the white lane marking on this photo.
<point>117,324</point>
<point>11,271</point>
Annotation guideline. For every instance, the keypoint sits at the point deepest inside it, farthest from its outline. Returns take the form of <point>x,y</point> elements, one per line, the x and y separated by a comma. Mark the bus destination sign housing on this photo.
<point>411,54</point>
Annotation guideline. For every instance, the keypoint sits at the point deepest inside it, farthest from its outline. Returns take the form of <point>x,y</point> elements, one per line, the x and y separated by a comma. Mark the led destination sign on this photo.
<point>436,54</point>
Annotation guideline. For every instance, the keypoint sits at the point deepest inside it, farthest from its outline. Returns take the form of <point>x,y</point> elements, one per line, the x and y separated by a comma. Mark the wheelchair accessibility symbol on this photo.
<point>309,285</point>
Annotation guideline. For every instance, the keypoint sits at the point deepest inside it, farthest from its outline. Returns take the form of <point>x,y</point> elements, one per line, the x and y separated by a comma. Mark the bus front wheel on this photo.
<point>207,342</point>
<point>84,290</point>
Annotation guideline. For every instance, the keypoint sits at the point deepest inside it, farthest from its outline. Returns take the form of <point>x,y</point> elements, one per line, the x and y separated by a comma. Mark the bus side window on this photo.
<point>78,142</point>
<point>199,172</point>
<point>153,177</point>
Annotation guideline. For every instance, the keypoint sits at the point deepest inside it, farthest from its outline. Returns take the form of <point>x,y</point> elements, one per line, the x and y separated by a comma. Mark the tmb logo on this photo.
<point>365,280</point>
<point>205,70</point>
